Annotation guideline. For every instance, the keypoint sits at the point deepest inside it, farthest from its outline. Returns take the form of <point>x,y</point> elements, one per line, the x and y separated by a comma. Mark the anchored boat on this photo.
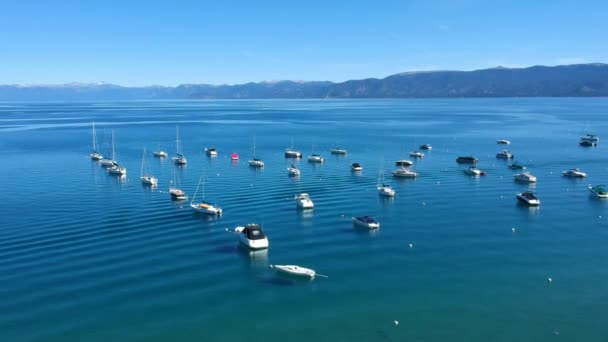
<point>252,236</point>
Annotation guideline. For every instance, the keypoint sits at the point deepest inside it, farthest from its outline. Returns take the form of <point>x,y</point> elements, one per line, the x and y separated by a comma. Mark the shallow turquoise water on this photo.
<point>86,256</point>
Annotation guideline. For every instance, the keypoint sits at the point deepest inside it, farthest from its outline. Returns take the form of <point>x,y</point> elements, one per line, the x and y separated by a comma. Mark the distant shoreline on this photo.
<point>577,80</point>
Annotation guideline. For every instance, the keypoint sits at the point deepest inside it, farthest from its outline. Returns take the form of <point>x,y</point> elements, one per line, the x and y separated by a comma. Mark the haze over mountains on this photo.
<point>556,81</point>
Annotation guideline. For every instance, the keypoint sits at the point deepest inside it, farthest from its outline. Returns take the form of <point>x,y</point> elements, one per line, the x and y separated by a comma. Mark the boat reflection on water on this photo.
<point>305,213</point>
<point>386,199</point>
<point>120,179</point>
<point>529,210</point>
<point>256,258</point>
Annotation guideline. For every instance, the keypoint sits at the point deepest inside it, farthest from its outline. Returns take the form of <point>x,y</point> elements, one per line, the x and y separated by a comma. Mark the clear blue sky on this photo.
<point>173,42</point>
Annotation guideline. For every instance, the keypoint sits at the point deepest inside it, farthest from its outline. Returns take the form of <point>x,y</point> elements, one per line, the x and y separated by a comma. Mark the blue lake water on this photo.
<point>88,256</point>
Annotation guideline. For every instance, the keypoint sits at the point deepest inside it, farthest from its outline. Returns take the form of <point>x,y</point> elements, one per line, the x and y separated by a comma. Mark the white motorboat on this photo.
<point>473,171</point>
<point>356,167</point>
<point>203,206</point>
<point>252,236</point>
<point>293,171</point>
<point>146,178</point>
<point>504,154</point>
<point>177,194</point>
<point>95,155</point>
<point>160,154</point>
<point>503,142</point>
<point>574,173</point>
<point>590,138</point>
<point>338,150</point>
<point>525,177</point>
<point>416,154</point>
<point>315,158</point>
<point>599,191</point>
<point>404,173</point>
<point>403,163</point>
<point>297,271</point>
<point>366,221</point>
<point>255,162</point>
<point>517,166</point>
<point>528,198</point>
<point>211,151</point>
<point>303,201</point>
<point>426,147</point>
<point>178,159</point>
<point>467,160</point>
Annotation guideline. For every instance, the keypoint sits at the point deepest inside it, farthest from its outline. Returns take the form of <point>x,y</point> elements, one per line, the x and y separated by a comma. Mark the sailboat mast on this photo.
<point>143,157</point>
<point>113,146</point>
<point>177,139</point>
<point>254,147</point>
<point>94,138</point>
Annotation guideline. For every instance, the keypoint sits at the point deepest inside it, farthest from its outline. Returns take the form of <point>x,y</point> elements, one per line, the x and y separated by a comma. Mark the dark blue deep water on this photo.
<point>85,256</point>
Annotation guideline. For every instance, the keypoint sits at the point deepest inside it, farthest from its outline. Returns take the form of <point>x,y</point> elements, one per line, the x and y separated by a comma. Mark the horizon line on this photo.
<point>104,83</point>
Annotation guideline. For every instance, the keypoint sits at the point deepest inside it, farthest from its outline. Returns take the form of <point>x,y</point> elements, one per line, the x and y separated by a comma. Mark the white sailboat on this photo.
<point>384,189</point>
<point>178,159</point>
<point>313,157</point>
<point>116,169</point>
<point>255,162</point>
<point>146,178</point>
<point>176,193</point>
<point>291,153</point>
<point>204,207</point>
<point>108,162</point>
<point>95,155</point>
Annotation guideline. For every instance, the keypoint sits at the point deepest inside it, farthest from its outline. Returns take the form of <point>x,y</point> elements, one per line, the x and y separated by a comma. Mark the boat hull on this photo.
<point>253,244</point>
<point>404,175</point>
<point>531,203</point>
<point>598,194</point>
<point>209,210</point>
<point>256,163</point>
<point>96,156</point>
<point>368,225</point>
<point>386,192</point>
<point>153,181</point>
<point>121,171</point>
<point>466,160</point>
<point>293,270</point>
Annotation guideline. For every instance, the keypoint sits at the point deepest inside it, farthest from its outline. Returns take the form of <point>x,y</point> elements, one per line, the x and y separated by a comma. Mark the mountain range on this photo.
<point>577,80</point>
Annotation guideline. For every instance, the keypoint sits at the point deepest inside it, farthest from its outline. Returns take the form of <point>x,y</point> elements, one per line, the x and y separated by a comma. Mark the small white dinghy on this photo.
<point>298,271</point>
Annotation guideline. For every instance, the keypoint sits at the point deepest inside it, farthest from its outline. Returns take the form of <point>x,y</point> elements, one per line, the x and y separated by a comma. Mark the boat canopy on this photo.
<point>254,232</point>
<point>529,195</point>
<point>366,219</point>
